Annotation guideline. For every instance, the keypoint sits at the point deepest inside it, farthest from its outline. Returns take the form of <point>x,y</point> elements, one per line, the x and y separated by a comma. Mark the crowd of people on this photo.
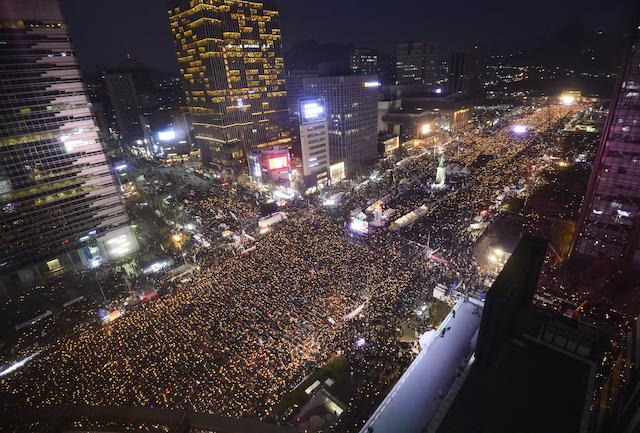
<point>241,331</point>
<point>229,341</point>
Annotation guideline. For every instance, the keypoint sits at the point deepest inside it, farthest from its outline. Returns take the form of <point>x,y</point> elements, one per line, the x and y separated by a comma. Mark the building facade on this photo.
<point>295,94</point>
<point>57,192</point>
<point>417,63</point>
<point>609,224</point>
<point>230,59</point>
<point>314,139</point>
<point>270,166</point>
<point>295,90</point>
<point>133,98</point>
<point>466,71</point>
<point>450,113</point>
<point>352,111</point>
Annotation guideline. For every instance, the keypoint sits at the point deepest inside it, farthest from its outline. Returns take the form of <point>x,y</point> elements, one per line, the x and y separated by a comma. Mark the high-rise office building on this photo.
<point>295,94</point>
<point>364,61</point>
<point>230,58</point>
<point>609,224</point>
<point>352,110</point>
<point>133,98</point>
<point>417,63</point>
<point>466,70</point>
<point>57,193</point>
<point>314,140</point>
<point>295,90</point>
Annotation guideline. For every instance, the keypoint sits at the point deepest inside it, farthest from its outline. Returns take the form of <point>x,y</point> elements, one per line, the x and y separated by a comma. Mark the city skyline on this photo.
<point>499,27</point>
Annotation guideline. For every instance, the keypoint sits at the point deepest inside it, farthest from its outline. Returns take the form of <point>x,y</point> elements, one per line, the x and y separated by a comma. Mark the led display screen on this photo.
<point>313,111</point>
<point>278,162</point>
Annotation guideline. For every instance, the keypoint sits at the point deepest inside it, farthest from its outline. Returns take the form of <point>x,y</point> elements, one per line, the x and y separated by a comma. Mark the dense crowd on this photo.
<point>231,340</point>
<point>241,331</point>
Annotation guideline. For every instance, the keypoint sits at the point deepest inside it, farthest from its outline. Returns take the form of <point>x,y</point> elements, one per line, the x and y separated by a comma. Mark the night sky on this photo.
<point>105,31</point>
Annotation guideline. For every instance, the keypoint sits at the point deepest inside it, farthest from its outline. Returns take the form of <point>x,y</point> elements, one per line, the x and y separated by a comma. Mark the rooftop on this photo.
<point>533,387</point>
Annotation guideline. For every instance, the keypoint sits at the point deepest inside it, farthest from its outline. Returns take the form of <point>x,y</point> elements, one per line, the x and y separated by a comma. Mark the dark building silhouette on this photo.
<point>466,70</point>
<point>364,61</point>
<point>533,371</point>
<point>509,295</point>
<point>133,98</point>
<point>417,63</point>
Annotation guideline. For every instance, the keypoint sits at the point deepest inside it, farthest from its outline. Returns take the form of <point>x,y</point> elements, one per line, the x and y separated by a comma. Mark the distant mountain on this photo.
<point>307,55</point>
<point>579,48</point>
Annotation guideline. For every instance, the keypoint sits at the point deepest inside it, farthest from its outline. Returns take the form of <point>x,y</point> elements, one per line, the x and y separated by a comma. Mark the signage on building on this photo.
<point>391,144</point>
<point>278,162</point>
<point>269,165</point>
<point>313,111</point>
<point>337,172</point>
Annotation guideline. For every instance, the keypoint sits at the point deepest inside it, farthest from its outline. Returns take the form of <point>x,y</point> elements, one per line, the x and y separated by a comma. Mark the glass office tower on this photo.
<point>352,113</point>
<point>57,193</point>
<point>609,225</point>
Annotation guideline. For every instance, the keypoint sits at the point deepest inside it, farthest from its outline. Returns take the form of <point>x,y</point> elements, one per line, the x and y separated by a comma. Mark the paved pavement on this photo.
<point>415,398</point>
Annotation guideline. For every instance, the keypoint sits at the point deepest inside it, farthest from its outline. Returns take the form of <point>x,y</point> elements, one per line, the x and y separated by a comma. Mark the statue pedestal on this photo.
<point>441,178</point>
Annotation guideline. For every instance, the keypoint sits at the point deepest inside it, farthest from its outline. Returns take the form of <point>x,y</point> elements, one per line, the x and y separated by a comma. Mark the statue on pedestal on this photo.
<point>441,175</point>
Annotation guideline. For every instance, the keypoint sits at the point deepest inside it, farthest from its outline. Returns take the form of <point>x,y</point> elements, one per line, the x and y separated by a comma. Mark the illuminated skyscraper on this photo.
<point>57,194</point>
<point>609,224</point>
<point>230,58</point>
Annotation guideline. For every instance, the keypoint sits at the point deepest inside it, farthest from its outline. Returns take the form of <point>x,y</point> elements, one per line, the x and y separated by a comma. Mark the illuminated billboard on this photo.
<point>278,162</point>
<point>337,172</point>
<point>167,135</point>
<point>313,111</point>
<point>118,243</point>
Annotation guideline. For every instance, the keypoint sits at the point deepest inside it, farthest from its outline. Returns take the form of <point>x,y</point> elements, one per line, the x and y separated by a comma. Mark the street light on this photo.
<point>425,129</point>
